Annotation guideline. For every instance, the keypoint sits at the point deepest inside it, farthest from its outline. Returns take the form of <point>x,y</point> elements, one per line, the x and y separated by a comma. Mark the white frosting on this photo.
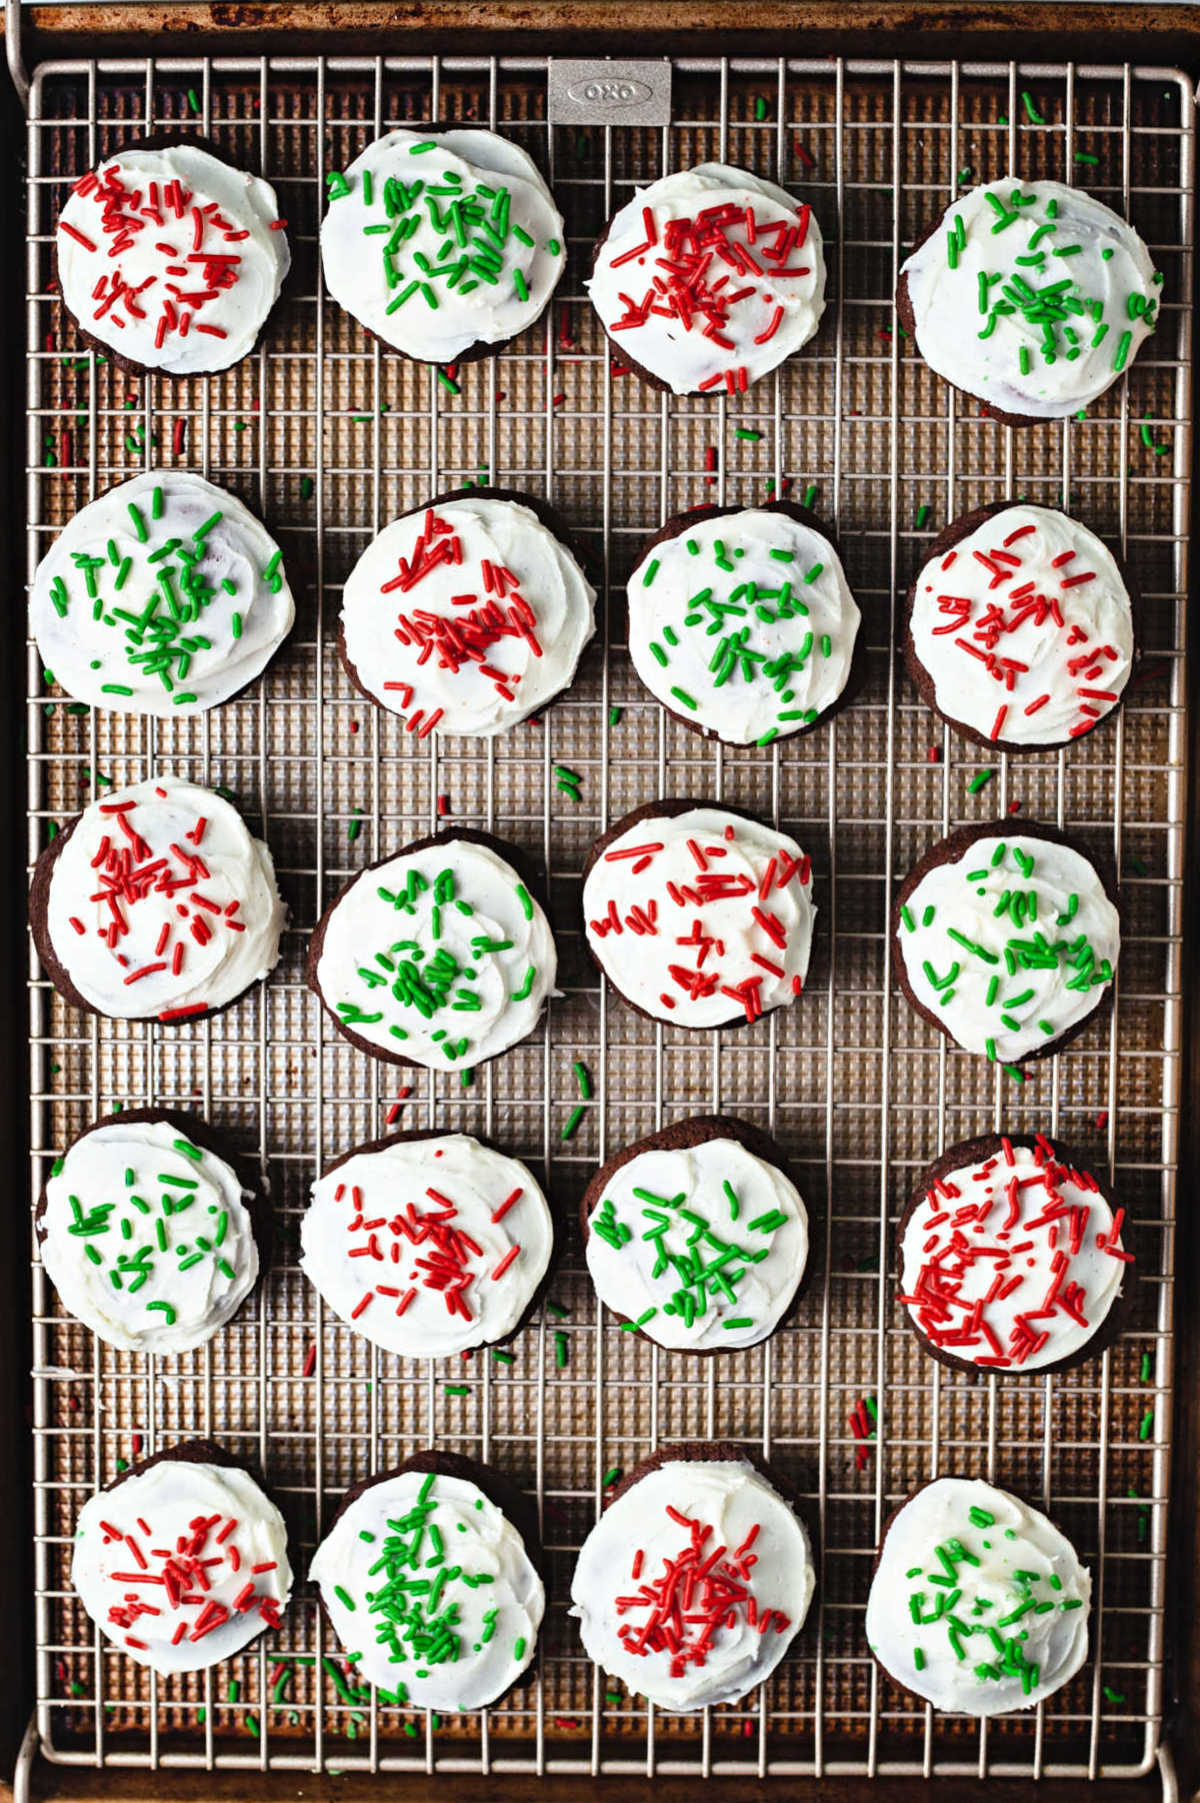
<point>999,1647</point>
<point>147,1237</point>
<point>664,295</point>
<point>620,1587</point>
<point>764,600</point>
<point>191,254</point>
<point>487,245</point>
<point>1011,1262</point>
<point>163,878</point>
<point>669,921</point>
<point>453,925</point>
<point>1075,933</point>
<point>445,1645</point>
<point>176,1567</point>
<point>641,1243</point>
<point>160,634</point>
<point>405,1244</point>
<point>1034,645</point>
<point>466,618</point>
<point>1072,359</point>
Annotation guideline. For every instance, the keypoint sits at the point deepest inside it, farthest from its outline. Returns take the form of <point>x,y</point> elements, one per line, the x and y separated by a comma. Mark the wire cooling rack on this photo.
<point>330,436</point>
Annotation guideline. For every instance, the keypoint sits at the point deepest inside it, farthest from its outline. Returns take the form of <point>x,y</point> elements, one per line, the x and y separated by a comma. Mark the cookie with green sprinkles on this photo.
<point>445,243</point>
<point>439,955</point>
<point>163,596</point>
<point>742,623</point>
<point>696,1236</point>
<point>434,1580</point>
<point>978,1602</point>
<point>1031,296</point>
<point>182,1560</point>
<point>1006,939</point>
<point>1013,1256</point>
<point>148,1233</point>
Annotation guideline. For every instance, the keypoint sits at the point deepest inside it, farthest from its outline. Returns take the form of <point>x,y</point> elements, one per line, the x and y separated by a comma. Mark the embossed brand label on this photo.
<point>584,91</point>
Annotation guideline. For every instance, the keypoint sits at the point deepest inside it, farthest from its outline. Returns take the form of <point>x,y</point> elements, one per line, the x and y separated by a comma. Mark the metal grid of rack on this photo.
<point>329,436</point>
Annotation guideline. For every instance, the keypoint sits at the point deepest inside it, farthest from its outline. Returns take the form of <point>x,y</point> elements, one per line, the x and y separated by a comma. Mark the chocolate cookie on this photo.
<point>1012,1257</point>
<point>383,985</point>
<point>1004,917</point>
<point>718,1288</point>
<point>1018,630</point>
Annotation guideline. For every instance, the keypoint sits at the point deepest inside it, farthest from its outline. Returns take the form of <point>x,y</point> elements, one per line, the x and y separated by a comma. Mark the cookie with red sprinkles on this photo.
<point>1013,1257</point>
<point>428,1243</point>
<point>439,955</point>
<point>699,915</point>
<point>156,903</point>
<point>697,1577</point>
<point>182,1560</point>
<point>467,614</point>
<point>1006,938</point>
<point>1019,628</point>
<point>170,257</point>
<point>708,279</point>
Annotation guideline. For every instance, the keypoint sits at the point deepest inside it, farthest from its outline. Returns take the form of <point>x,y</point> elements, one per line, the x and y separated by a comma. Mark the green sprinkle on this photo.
<point>979,781</point>
<point>1147,1425</point>
<point>572,1123</point>
<point>583,1080</point>
<point>611,1475</point>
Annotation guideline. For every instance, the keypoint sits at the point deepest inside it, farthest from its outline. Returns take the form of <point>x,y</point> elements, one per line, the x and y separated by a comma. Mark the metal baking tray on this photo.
<point>329,437</point>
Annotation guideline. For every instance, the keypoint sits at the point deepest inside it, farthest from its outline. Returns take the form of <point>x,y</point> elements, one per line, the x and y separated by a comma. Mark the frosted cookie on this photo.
<point>171,258</point>
<point>709,279</point>
<point>1030,296</point>
<point>978,1603</point>
<point>428,1243</point>
<point>741,621</point>
<point>1012,1257</point>
<point>468,614</point>
<point>445,244</point>
<point>696,1236</point>
<point>182,1560</point>
<point>1019,629</point>
<point>439,955</point>
<point>1006,940</point>
<point>147,1232</point>
<point>156,904</point>
<point>433,1572</point>
<point>699,915</point>
<point>164,596</point>
<point>696,1579</point>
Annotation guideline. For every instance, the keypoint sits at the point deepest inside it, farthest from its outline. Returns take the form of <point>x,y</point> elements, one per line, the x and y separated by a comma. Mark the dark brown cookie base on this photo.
<point>209,1139</point>
<point>698,1130</point>
<point>946,540</point>
<point>949,851</point>
<point>548,516</point>
<point>681,523</point>
<point>977,1151</point>
<point>511,854</point>
<point>419,1133</point>
<point>666,809</point>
